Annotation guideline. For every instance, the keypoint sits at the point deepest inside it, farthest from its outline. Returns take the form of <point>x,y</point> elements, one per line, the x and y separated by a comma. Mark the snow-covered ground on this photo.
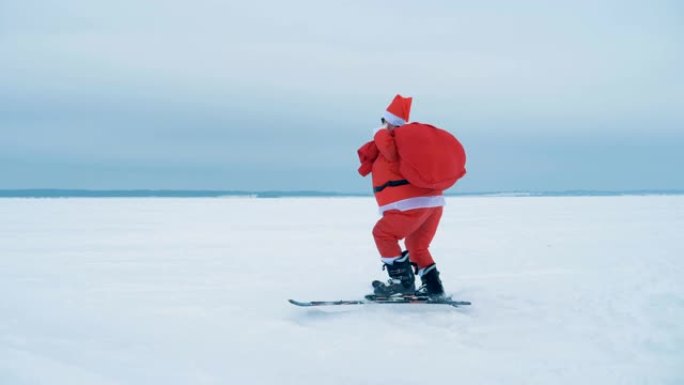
<point>571,290</point>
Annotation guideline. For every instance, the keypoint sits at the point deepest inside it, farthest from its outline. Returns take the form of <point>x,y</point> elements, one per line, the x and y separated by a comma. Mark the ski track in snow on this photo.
<point>565,290</point>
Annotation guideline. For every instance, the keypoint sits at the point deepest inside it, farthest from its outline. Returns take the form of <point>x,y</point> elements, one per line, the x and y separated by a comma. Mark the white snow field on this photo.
<point>565,290</point>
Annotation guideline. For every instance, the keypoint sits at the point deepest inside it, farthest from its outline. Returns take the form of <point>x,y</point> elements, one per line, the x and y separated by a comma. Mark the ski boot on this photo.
<point>431,284</point>
<point>402,279</point>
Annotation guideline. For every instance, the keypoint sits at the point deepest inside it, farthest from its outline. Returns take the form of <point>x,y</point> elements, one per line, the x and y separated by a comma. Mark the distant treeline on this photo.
<point>75,193</point>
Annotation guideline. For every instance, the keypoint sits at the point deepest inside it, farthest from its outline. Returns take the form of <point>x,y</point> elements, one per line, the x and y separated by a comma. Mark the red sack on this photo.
<point>429,157</point>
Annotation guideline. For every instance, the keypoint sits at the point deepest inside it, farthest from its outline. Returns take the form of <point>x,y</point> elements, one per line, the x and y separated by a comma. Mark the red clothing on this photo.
<point>380,157</point>
<point>417,226</point>
<point>409,211</point>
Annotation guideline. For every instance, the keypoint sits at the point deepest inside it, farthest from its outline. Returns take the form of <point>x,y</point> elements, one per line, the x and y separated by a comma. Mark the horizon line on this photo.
<point>210,193</point>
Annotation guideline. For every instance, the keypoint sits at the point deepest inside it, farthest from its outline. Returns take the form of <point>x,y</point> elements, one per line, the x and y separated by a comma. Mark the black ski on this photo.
<point>377,300</point>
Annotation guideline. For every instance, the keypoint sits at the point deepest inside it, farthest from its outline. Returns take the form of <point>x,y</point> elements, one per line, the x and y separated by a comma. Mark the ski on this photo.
<point>376,300</point>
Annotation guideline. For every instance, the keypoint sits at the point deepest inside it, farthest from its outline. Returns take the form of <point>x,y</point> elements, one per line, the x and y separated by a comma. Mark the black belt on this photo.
<point>392,183</point>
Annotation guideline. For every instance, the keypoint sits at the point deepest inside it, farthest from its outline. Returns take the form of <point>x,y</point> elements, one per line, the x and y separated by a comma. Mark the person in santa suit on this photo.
<point>408,212</point>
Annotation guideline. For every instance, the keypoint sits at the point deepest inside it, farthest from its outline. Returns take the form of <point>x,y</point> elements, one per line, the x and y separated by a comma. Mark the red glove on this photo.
<point>367,155</point>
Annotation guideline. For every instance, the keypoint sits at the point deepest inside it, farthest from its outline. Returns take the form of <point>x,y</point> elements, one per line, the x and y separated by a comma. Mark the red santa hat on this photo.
<point>397,113</point>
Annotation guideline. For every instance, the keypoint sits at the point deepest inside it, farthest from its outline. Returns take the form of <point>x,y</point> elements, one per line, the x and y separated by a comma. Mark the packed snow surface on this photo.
<point>565,290</point>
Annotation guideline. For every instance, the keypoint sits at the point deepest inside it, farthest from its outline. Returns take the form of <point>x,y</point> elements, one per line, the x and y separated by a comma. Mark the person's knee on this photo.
<point>380,232</point>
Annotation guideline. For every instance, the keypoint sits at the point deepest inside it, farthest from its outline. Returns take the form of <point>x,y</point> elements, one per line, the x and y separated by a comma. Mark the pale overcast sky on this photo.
<point>278,95</point>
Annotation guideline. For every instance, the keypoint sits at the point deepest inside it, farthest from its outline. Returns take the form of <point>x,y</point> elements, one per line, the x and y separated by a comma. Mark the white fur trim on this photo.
<point>393,119</point>
<point>414,203</point>
<point>390,261</point>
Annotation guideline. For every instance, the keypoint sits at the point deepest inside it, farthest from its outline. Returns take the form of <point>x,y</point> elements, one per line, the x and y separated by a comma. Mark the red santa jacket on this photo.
<point>392,190</point>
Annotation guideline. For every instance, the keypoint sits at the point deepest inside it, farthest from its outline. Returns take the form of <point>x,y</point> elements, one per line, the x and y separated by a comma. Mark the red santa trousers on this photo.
<point>416,226</point>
